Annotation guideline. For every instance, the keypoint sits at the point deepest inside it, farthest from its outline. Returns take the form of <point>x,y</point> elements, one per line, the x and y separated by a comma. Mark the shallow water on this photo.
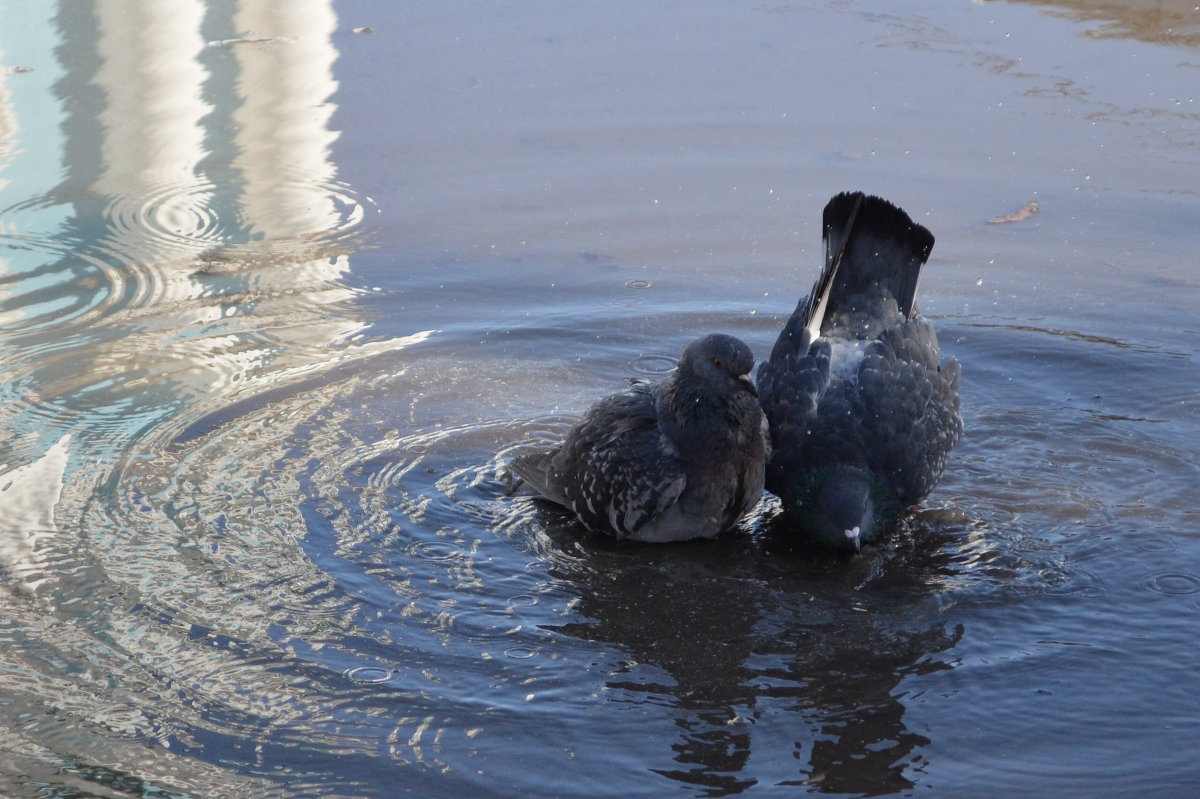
<point>279,296</point>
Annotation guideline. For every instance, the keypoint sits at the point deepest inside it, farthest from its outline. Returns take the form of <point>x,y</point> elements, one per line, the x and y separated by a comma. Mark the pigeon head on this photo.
<point>722,362</point>
<point>844,513</point>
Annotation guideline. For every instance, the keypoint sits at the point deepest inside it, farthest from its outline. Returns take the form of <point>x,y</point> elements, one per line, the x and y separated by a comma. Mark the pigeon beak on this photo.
<point>853,535</point>
<point>747,383</point>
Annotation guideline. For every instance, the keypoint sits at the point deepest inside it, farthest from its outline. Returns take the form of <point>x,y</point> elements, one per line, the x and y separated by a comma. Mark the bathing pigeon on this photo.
<point>680,458</point>
<point>863,411</point>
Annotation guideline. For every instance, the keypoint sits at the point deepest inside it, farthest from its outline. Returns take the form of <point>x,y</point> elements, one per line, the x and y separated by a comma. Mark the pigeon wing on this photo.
<point>538,470</point>
<point>616,470</point>
<point>791,381</point>
<point>911,401</point>
<point>811,416</point>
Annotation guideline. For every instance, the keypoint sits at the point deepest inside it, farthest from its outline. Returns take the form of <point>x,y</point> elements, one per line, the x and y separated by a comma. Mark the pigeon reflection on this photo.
<point>780,668</point>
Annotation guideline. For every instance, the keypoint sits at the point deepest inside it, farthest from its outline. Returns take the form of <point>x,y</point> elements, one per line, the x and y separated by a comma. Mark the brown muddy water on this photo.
<point>282,286</point>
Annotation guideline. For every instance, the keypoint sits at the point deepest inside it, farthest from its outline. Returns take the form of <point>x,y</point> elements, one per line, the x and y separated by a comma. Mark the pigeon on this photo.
<point>681,458</point>
<point>863,411</point>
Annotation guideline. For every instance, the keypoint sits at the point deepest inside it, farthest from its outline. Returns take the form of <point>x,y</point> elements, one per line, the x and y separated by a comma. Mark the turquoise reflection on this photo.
<point>172,228</point>
<point>173,242</point>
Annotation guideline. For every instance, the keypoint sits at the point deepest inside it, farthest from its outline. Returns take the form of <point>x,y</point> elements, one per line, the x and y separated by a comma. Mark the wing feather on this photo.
<point>913,398</point>
<point>615,470</point>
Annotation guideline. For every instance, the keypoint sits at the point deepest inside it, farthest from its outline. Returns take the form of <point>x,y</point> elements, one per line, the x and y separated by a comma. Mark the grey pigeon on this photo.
<point>680,458</point>
<point>863,411</point>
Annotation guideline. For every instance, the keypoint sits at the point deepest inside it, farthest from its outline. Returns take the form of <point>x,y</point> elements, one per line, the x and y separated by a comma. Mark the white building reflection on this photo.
<point>202,253</point>
<point>151,125</point>
<point>29,494</point>
<point>190,255</point>
<point>282,124</point>
<point>209,231</point>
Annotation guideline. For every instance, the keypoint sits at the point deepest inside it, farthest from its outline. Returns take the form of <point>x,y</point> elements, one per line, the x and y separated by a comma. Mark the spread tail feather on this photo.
<point>867,241</point>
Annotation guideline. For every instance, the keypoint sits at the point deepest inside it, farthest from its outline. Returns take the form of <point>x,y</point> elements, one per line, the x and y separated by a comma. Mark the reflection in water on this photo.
<point>8,122</point>
<point>282,122</point>
<point>150,123</point>
<point>29,495</point>
<point>199,263</point>
<point>852,674</point>
<point>189,289</point>
<point>249,548</point>
<point>741,642</point>
<point>1174,22</point>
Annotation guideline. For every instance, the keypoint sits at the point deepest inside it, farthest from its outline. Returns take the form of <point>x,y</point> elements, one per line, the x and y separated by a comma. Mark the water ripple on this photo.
<point>173,241</point>
<point>46,281</point>
<point>166,215</point>
<point>1174,583</point>
<point>520,652</point>
<point>369,674</point>
<point>1156,544</point>
<point>656,364</point>
<point>1076,582</point>
<point>298,219</point>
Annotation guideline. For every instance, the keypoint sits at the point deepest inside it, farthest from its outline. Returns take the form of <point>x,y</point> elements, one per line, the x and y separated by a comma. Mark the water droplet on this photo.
<point>638,284</point>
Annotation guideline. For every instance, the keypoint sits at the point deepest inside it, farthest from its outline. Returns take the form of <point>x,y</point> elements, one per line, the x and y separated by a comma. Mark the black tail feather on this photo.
<point>867,241</point>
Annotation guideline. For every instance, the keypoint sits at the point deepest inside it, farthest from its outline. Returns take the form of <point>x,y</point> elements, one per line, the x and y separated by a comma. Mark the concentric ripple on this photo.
<point>227,230</point>
<point>290,559</point>
<point>1174,583</point>
<point>656,364</point>
<point>52,281</point>
<point>166,216</point>
<point>159,235</point>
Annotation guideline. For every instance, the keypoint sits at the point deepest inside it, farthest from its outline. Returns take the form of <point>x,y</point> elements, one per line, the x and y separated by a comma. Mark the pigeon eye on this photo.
<point>717,363</point>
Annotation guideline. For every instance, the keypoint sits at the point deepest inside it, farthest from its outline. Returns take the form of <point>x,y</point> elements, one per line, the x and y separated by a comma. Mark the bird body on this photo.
<point>681,458</point>
<point>863,412</point>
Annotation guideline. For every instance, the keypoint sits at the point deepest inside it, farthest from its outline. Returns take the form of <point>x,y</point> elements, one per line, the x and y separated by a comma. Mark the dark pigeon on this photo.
<point>681,458</point>
<point>863,411</point>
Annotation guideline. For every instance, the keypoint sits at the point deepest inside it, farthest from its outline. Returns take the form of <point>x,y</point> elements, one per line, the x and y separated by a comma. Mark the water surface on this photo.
<point>281,292</point>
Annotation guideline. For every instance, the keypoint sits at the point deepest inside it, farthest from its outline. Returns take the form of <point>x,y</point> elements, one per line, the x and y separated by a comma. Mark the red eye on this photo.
<point>717,363</point>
